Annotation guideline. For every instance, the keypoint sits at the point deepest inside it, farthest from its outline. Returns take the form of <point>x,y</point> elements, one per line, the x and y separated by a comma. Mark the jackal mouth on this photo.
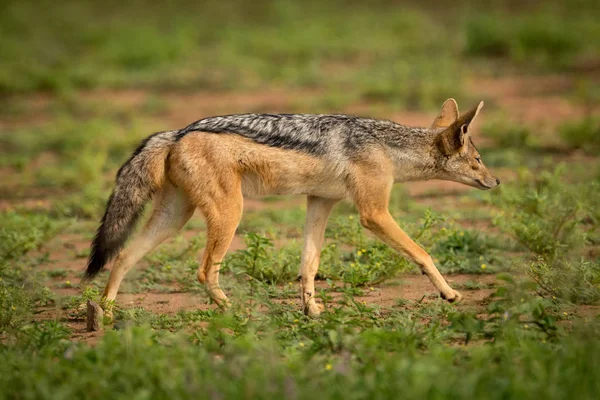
<point>482,185</point>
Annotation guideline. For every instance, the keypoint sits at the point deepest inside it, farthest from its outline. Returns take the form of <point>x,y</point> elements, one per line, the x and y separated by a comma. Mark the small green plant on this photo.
<point>463,251</point>
<point>262,262</point>
<point>474,285</point>
<point>15,303</point>
<point>57,273</point>
<point>76,306</point>
<point>577,282</point>
<point>371,265</point>
<point>545,215</point>
<point>542,213</point>
<point>516,312</point>
<point>20,233</point>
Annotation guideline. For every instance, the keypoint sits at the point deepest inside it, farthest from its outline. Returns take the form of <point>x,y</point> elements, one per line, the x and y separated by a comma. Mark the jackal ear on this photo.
<point>469,116</point>
<point>455,138</point>
<point>447,115</point>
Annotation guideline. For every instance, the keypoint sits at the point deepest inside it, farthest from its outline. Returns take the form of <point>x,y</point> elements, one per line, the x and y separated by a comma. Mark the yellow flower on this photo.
<point>301,344</point>
<point>565,313</point>
<point>68,283</point>
<point>328,367</point>
<point>296,321</point>
<point>483,266</point>
<point>351,217</point>
<point>13,308</point>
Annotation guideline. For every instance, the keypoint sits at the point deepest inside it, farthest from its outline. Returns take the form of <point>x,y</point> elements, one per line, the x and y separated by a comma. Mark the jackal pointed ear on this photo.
<point>456,136</point>
<point>447,115</point>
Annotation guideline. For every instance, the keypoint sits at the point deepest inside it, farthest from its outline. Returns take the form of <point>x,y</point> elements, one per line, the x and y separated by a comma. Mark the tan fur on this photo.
<point>212,173</point>
<point>447,115</point>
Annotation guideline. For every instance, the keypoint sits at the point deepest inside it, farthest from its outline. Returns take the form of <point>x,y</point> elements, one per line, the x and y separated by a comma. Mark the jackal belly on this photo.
<point>284,183</point>
<point>262,170</point>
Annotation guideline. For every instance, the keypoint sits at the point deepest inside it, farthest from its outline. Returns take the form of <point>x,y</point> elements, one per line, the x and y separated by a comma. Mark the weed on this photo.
<point>474,285</point>
<point>57,273</point>
<point>545,215</point>
<point>20,233</point>
<point>542,213</point>
<point>577,282</point>
<point>261,261</point>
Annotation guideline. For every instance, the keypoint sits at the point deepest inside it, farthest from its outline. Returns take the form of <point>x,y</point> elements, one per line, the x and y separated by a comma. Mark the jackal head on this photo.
<point>457,157</point>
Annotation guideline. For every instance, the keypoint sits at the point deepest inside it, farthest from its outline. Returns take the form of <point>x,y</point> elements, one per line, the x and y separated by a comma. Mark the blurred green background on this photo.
<point>413,53</point>
<point>82,83</point>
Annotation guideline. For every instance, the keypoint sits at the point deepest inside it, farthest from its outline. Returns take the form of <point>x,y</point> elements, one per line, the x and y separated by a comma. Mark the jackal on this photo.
<point>211,164</point>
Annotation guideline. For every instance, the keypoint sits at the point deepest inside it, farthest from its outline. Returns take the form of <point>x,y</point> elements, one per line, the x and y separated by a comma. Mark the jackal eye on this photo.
<point>478,159</point>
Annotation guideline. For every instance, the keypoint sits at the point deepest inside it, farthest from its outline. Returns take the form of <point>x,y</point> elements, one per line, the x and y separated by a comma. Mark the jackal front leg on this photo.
<point>382,224</point>
<point>317,213</point>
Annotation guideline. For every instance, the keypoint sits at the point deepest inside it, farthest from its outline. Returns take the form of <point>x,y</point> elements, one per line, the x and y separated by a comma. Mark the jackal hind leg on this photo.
<point>171,211</point>
<point>372,203</point>
<point>317,213</point>
<point>223,212</point>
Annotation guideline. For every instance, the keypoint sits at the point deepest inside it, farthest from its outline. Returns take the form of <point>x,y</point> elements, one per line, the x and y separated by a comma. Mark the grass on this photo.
<point>82,83</point>
<point>507,134</point>
<point>583,134</point>
<point>545,38</point>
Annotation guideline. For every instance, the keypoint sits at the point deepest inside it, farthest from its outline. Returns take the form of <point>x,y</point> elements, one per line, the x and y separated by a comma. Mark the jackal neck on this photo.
<point>412,152</point>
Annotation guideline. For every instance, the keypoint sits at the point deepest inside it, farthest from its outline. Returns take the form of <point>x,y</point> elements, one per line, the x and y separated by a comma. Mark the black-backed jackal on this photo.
<point>211,164</point>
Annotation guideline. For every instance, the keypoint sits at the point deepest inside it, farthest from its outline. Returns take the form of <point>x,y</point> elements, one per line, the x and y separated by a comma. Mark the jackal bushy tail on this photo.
<point>137,181</point>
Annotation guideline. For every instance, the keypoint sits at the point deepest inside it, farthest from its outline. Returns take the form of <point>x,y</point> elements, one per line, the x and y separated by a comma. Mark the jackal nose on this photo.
<point>497,181</point>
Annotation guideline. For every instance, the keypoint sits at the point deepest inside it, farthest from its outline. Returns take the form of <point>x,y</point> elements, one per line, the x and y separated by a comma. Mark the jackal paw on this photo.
<point>312,309</point>
<point>455,297</point>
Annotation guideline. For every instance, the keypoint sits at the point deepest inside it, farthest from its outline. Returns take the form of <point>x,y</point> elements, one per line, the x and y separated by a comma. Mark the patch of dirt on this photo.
<point>540,101</point>
<point>389,294</point>
<point>416,287</point>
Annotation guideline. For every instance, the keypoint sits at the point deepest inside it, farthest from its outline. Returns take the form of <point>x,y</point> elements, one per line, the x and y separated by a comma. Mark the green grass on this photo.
<point>507,134</point>
<point>583,134</point>
<point>68,122</point>
<point>554,39</point>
